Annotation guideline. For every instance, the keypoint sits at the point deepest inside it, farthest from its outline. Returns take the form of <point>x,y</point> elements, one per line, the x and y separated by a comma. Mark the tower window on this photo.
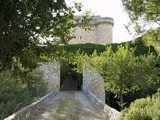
<point>80,37</point>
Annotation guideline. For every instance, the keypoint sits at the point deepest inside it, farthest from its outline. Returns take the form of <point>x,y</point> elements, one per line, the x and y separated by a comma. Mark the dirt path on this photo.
<point>68,106</point>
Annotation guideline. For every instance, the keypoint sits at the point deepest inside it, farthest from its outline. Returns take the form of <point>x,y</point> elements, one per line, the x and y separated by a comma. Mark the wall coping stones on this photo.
<point>95,101</point>
<point>113,114</point>
<point>25,112</point>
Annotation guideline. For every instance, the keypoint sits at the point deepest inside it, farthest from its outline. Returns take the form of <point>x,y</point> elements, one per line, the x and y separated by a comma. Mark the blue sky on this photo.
<point>113,9</point>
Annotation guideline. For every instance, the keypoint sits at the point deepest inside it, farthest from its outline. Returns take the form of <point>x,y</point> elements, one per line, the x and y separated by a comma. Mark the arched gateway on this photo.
<point>92,87</point>
<point>69,83</point>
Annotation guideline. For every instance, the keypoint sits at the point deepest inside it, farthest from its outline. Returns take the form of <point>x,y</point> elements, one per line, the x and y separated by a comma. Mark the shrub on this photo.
<point>15,93</point>
<point>37,86</point>
<point>143,109</point>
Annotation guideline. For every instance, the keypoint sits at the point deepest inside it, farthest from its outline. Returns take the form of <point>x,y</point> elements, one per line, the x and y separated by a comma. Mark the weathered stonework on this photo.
<point>51,72</point>
<point>100,33</point>
<point>24,113</point>
<point>93,87</point>
<point>112,113</point>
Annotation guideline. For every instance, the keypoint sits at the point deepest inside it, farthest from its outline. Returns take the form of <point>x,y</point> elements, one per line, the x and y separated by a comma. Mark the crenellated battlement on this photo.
<point>103,20</point>
<point>100,33</point>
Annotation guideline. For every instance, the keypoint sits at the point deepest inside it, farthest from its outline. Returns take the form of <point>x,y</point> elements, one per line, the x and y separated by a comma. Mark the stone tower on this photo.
<point>100,33</point>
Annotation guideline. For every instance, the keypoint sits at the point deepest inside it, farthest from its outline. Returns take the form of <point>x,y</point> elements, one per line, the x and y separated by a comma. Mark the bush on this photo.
<point>143,109</point>
<point>37,86</point>
<point>15,93</point>
<point>86,48</point>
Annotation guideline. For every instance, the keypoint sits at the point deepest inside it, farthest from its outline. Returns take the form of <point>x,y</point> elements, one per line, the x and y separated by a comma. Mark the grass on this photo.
<point>68,109</point>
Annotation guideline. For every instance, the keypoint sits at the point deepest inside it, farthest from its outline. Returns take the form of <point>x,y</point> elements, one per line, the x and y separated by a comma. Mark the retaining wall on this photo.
<point>93,88</point>
<point>51,76</point>
<point>25,112</point>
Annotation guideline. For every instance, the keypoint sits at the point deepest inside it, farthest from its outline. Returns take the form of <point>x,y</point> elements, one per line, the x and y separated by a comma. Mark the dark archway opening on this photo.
<point>70,80</point>
<point>69,83</point>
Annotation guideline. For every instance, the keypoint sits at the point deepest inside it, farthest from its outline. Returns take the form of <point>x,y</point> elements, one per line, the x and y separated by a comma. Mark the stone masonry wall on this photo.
<point>93,87</point>
<point>104,33</point>
<point>24,113</point>
<point>51,72</point>
<point>100,33</point>
<point>84,36</point>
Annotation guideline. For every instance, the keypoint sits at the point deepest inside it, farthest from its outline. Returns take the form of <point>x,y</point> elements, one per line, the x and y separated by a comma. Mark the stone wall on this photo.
<point>100,33</point>
<point>112,114</point>
<point>51,72</point>
<point>93,87</point>
<point>84,36</point>
<point>104,33</point>
<point>24,113</point>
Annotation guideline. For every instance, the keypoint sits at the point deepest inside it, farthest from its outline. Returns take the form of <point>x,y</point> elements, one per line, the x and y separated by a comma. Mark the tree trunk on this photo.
<point>121,97</point>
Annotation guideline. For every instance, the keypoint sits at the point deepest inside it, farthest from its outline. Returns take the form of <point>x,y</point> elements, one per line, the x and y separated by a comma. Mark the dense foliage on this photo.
<point>122,71</point>
<point>144,15</point>
<point>144,18</point>
<point>143,109</point>
<point>15,93</point>
<point>86,48</point>
<point>26,24</point>
<point>139,44</point>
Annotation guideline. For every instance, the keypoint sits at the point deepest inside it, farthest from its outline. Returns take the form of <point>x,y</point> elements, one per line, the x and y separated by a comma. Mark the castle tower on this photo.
<point>104,30</point>
<point>100,33</point>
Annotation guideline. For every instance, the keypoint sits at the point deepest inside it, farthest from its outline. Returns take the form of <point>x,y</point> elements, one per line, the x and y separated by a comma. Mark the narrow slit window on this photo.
<point>80,37</point>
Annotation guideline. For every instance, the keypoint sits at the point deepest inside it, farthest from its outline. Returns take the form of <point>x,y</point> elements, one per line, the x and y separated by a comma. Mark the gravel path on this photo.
<point>68,106</point>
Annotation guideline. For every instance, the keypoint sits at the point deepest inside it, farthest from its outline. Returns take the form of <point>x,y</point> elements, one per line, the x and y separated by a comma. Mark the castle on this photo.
<point>100,33</point>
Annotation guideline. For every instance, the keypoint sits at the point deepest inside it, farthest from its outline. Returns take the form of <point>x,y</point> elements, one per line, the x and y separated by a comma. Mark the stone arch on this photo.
<point>69,83</point>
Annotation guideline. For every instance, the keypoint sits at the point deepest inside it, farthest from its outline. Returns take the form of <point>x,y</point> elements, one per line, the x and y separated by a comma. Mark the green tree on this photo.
<point>16,94</point>
<point>143,109</point>
<point>25,22</point>
<point>144,14</point>
<point>121,70</point>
